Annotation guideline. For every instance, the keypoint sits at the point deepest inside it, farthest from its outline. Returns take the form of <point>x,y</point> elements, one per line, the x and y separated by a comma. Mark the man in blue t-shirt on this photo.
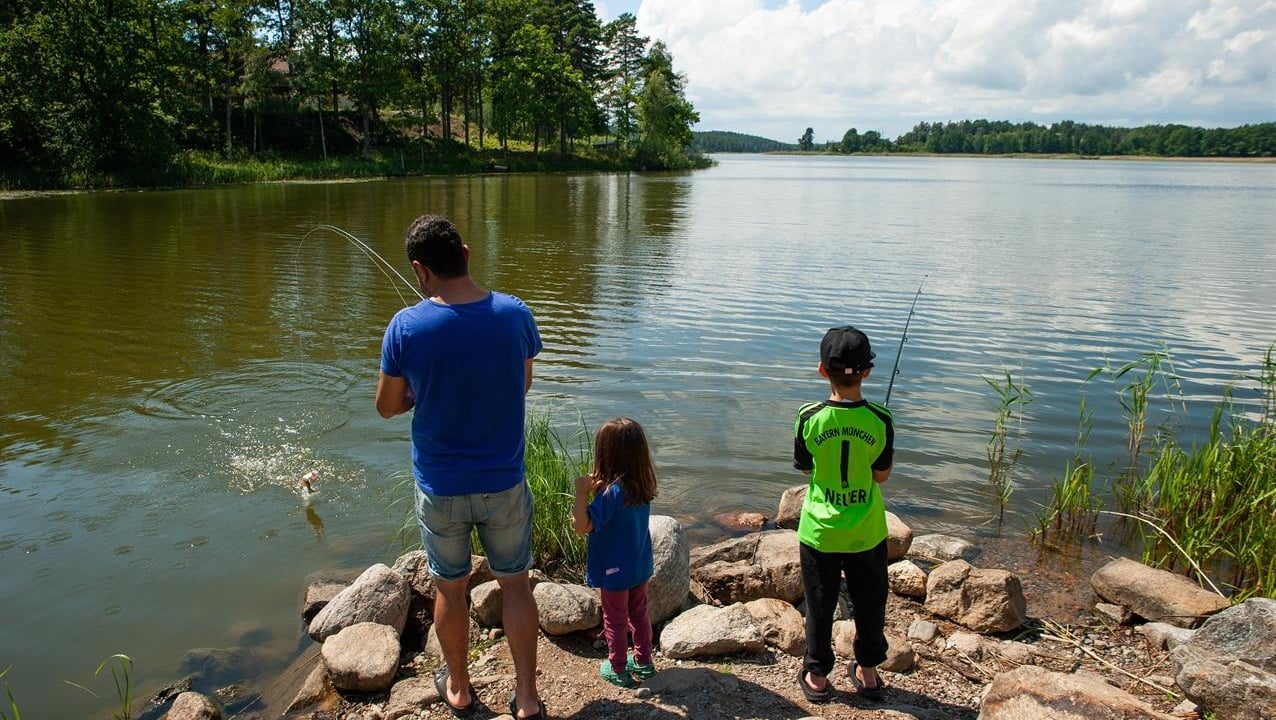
<point>462,360</point>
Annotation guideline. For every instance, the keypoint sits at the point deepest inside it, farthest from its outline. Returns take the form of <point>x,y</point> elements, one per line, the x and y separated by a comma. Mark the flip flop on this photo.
<point>815,696</point>
<point>440,684</point>
<point>869,693</point>
<point>541,713</point>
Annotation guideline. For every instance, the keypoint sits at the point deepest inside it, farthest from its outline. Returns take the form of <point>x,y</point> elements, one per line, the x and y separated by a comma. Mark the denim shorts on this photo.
<point>503,520</point>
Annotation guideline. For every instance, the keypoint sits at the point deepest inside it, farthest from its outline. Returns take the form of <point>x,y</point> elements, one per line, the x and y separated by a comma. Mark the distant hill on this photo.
<point>712,141</point>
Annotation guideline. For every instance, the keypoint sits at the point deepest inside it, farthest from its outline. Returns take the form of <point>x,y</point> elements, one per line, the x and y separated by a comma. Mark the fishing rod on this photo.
<point>903,339</point>
<point>382,264</point>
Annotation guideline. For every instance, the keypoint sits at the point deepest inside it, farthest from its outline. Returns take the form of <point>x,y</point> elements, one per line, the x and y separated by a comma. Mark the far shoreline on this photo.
<point>25,194</point>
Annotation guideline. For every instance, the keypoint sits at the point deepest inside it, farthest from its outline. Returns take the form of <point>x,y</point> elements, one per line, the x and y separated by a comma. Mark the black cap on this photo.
<point>845,349</point>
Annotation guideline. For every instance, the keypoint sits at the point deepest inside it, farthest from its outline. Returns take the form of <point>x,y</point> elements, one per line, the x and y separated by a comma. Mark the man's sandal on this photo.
<point>540,714</point>
<point>815,696</point>
<point>440,684</point>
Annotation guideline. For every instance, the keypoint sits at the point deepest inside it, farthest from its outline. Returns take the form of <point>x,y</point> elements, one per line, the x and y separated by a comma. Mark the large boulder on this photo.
<point>986,601</point>
<point>1157,595</point>
<point>485,599</point>
<point>1033,693</point>
<point>758,565</point>
<point>316,693</point>
<point>705,631</point>
<point>671,553</point>
<point>379,595</point>
<point>1229,664</point>
<point>566,608</point>
<point>362,657</point>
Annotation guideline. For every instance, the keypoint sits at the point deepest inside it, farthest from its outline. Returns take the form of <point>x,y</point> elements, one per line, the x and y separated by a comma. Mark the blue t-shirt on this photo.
<point>466,365</point>
<point>620,543</point>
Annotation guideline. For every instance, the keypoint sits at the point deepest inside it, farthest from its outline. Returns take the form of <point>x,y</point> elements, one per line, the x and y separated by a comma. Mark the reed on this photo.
<point>1204,508</point>
<point>121,667</point>
<point>13,702</point>
<point>553,464</point>
<point>1012,397</point>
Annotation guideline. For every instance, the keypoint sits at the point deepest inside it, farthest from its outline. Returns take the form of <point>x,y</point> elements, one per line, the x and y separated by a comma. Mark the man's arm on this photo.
<point>528,385</point>
<point>394,396</point>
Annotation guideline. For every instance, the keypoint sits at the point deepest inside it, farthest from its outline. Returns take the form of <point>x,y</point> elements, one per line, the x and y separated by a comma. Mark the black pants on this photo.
<point>866,583</point>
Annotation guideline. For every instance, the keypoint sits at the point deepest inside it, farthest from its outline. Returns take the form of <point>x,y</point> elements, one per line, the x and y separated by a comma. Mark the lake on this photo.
<point>172,362</point>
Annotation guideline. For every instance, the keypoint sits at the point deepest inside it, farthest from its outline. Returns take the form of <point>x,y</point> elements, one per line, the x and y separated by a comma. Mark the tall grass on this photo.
<point>553,464</point>
<point>1205,508</point>
<point>1012,396</point>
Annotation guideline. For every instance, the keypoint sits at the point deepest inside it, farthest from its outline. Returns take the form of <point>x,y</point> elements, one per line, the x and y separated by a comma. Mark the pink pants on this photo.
<point>625,611</point>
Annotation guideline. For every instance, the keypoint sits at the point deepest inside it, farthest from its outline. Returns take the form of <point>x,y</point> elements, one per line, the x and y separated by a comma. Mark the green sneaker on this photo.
<point>624,680</point>
<point>640,671</point>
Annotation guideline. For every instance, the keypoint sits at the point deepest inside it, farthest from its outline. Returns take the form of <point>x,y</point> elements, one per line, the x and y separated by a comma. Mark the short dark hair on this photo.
<point>435,242</point>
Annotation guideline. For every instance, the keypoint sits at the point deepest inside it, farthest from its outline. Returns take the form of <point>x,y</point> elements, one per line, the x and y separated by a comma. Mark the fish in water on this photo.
<point>307,483</point>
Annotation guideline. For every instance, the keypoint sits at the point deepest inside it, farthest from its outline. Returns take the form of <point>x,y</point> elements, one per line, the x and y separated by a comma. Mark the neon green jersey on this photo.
<point>841,443</point>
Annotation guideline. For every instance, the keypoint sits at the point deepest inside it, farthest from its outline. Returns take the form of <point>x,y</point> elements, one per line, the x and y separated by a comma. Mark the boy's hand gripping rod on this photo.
<point>903,339</point>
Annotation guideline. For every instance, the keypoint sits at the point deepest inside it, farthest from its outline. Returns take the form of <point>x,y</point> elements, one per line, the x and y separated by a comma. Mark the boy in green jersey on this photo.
<point>846,444</point>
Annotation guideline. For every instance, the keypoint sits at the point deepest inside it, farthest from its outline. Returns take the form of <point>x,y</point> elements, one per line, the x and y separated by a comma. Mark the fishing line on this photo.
<point>382,264</point>
<point>903,339</point>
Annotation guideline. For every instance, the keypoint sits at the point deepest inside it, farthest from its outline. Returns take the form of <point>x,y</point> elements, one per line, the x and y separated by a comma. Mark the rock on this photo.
<point>166,695</point>
<point>758,565</point>
<point>1016,652</point>
<point>900,656</point>
<point>670,584</point>
<point>968,644</point>
<point>899,537</point>
<point>1229,665</point>
<point>906,579</point>
<point>220,666</point>
<point>781,624</point>
<point>705,630</point>
<point>193,706</point>
<point>1163,636</point>
<point>316,694</point>
<point>942,548</point>
<point>923,631</point>
<point>986,601</point>
<point>380,595</point>
<point>1116,613</point>
<point>362,657</point>
<point>790,511</point>
<point>844,638</point>
<point>740,520</point>
<point>415,568</point>
<point>1156,595</point>
<point>566,608</point>
<point>486,605</point>
<point>1033,693</point>
<point>321,588</point>
<point>409,696</point>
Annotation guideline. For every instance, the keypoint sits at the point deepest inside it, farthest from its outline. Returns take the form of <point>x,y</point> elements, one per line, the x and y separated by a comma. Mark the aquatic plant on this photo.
<point>122,675</point>
<point>1205,508</point>
<point>1012,396</point>
<point>13,702</point>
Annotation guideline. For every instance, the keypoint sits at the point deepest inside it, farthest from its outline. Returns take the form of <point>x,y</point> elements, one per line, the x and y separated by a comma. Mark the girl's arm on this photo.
<point>580,509</point>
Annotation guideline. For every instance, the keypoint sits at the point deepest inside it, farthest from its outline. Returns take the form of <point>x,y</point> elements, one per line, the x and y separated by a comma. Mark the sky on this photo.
<point>774,68</point>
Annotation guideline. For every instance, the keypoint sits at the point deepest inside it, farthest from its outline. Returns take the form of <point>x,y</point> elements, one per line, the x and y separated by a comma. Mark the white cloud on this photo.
<point>775,68</point>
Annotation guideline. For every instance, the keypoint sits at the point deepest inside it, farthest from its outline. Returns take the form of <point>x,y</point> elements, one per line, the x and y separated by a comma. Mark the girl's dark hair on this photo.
<point>621,455</point>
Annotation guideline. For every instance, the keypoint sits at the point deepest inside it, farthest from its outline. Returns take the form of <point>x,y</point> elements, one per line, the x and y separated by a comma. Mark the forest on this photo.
<point>988,137</point>
<point>142,92</point>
